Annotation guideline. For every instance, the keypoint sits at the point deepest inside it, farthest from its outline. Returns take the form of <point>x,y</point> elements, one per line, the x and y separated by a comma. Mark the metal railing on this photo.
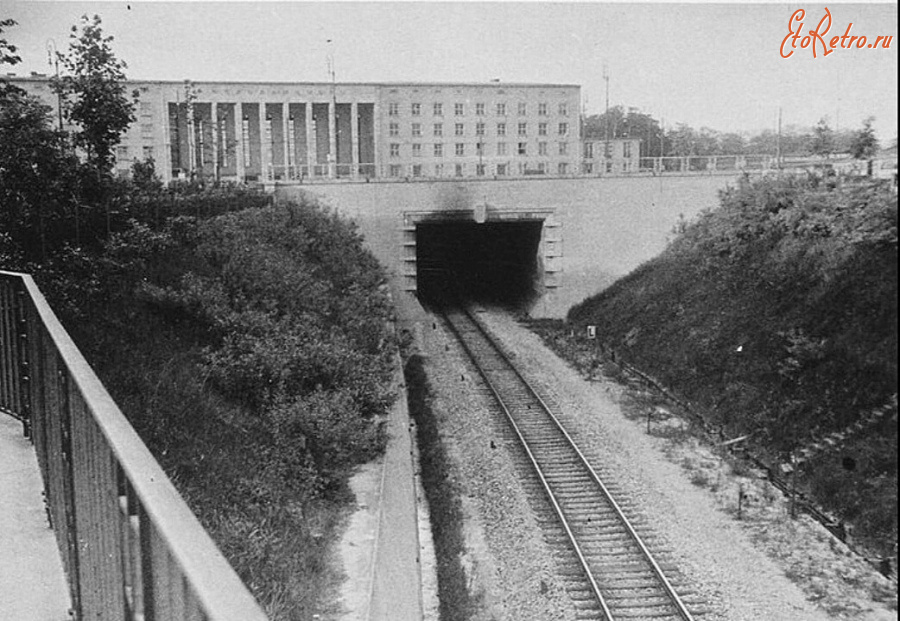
<point>588,167</point>
<point>130,546</point>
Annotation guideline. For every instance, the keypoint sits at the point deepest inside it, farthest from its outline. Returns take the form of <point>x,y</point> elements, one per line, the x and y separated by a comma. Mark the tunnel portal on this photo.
<point>494,262</point>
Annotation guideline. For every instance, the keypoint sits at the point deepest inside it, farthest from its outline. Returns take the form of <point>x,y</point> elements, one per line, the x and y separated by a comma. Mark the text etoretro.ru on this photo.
<point>818,41</point>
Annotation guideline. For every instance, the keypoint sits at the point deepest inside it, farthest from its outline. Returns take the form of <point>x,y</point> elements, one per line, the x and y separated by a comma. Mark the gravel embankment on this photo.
<point>509,569</point>
<point>764,566</point>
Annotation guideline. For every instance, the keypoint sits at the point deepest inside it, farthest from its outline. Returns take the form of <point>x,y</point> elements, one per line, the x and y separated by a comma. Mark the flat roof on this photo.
<point>492,83</point>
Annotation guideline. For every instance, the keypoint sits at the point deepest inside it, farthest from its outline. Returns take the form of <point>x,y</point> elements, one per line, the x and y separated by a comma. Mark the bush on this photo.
<point>253,353</point>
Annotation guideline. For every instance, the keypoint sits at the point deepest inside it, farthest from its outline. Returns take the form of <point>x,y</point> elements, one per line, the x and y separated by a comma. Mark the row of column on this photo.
<point>314,167</point>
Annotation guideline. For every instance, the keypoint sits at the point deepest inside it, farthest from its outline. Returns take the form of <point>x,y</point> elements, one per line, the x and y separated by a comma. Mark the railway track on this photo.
<point>608,571</point>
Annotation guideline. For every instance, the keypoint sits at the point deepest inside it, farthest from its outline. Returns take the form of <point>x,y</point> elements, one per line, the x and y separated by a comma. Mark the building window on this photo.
<point>542,129</point>
<point>608,166</point>
<point>460,148</point>
<point>479,170</point>
<point>395,149</point>
<point>523,167</point>
<point>438,109</point>
<point>416,109</point>
<point>460,129</point>
<point>626,147</point>
<point>563,129</point>
<point>416,129</point>
<point>146,130</point>
<point>438,129</point>
<point>501,170</point>
<point>395,170</point>
<point>523,108</point>
<point>459,109</point>
<point>439,149</point>
<point>542,109</point>
<point>479,129</point>
<point>588,168</point>
<point>562,168</point>
<point>460,170</point>
<point>121,153</point>
<point>588,150</point>
<point>523,148</point>
<point>501,109</point>
<point>563,109</point>
<point>393,109</point>
<point>563,148</point>
<point>479,109</point>
<point>542,168</point>
<point>607,150</point>
<point>501,148</point>
<point>394,129</point>
<point>148,153</point>
<point>523,129</point>
<point>542,148</point>
<point>501,129</point>
<point>438,170</point>
<point>417,149</point>
<point>417,170</point>
<point>479,148</point>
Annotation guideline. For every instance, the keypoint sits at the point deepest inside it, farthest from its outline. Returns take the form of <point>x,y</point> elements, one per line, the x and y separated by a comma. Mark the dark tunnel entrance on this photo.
<point>493,262</point>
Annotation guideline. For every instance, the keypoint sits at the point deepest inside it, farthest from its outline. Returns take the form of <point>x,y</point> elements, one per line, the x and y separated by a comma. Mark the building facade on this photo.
<point>610,157</point>
<point>294,132</point>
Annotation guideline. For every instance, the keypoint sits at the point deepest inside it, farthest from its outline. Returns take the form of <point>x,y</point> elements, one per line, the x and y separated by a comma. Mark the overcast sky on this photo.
<point>713,65</point>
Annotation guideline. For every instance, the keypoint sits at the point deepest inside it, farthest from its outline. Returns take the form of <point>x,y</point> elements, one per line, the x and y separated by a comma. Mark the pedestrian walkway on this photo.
<point>32,583</point>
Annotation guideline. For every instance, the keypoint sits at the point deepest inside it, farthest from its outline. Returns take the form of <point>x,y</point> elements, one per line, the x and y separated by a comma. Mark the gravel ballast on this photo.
<point>682,495</point>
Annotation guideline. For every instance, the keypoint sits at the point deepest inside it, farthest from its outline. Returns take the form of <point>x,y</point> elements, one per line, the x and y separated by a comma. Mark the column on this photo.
<point>376,131</point>
<point>214,118</point>
<point>332,139</point>
<point>310,140</point>
<point>286,128</point>
<point>239,140</point>
<point>166,156</point>
<point>263,144</point>
<point>354,139</point>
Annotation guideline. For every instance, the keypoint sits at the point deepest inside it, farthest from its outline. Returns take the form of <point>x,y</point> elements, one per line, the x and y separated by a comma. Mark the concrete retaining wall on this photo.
<point>608,226</point>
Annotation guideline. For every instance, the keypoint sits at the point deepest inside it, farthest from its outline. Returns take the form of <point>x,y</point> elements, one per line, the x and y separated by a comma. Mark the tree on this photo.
<point>864,145</point>
<point>96,86</point>
<point>633,124</point>
<point>732,143</point>
<point>684,140</point>
<point>822,139</point>
<point>8,56</point>
<point>36,175</point>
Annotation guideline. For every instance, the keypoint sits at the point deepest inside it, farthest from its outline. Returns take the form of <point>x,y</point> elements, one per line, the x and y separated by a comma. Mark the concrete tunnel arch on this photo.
<point>506,257</point>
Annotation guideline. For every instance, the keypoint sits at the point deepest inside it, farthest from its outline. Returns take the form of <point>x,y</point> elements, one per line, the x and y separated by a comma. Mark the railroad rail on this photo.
<point>612,575</point>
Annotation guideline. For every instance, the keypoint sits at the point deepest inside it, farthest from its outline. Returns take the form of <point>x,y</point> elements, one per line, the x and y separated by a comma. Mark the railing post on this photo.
<point>24,361</point>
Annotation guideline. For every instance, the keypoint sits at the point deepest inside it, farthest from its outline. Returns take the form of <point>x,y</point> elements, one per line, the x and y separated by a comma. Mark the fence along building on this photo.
<point>295,131</point>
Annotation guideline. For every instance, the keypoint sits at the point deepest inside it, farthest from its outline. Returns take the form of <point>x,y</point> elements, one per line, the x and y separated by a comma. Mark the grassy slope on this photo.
<point>777,315</point>
<point>235,347</point>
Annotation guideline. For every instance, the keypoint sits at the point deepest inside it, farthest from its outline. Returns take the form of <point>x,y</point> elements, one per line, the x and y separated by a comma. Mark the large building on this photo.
<point>293,132</point>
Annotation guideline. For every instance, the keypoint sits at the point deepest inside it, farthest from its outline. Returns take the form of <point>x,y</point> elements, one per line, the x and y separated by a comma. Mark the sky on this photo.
<point>706,65</point>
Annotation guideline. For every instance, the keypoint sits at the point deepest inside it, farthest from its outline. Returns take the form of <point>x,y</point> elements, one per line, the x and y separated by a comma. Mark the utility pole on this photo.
<point>778,143</point>
<point>606,79</point>
<point>53,59</point>
<point>332,118</point>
